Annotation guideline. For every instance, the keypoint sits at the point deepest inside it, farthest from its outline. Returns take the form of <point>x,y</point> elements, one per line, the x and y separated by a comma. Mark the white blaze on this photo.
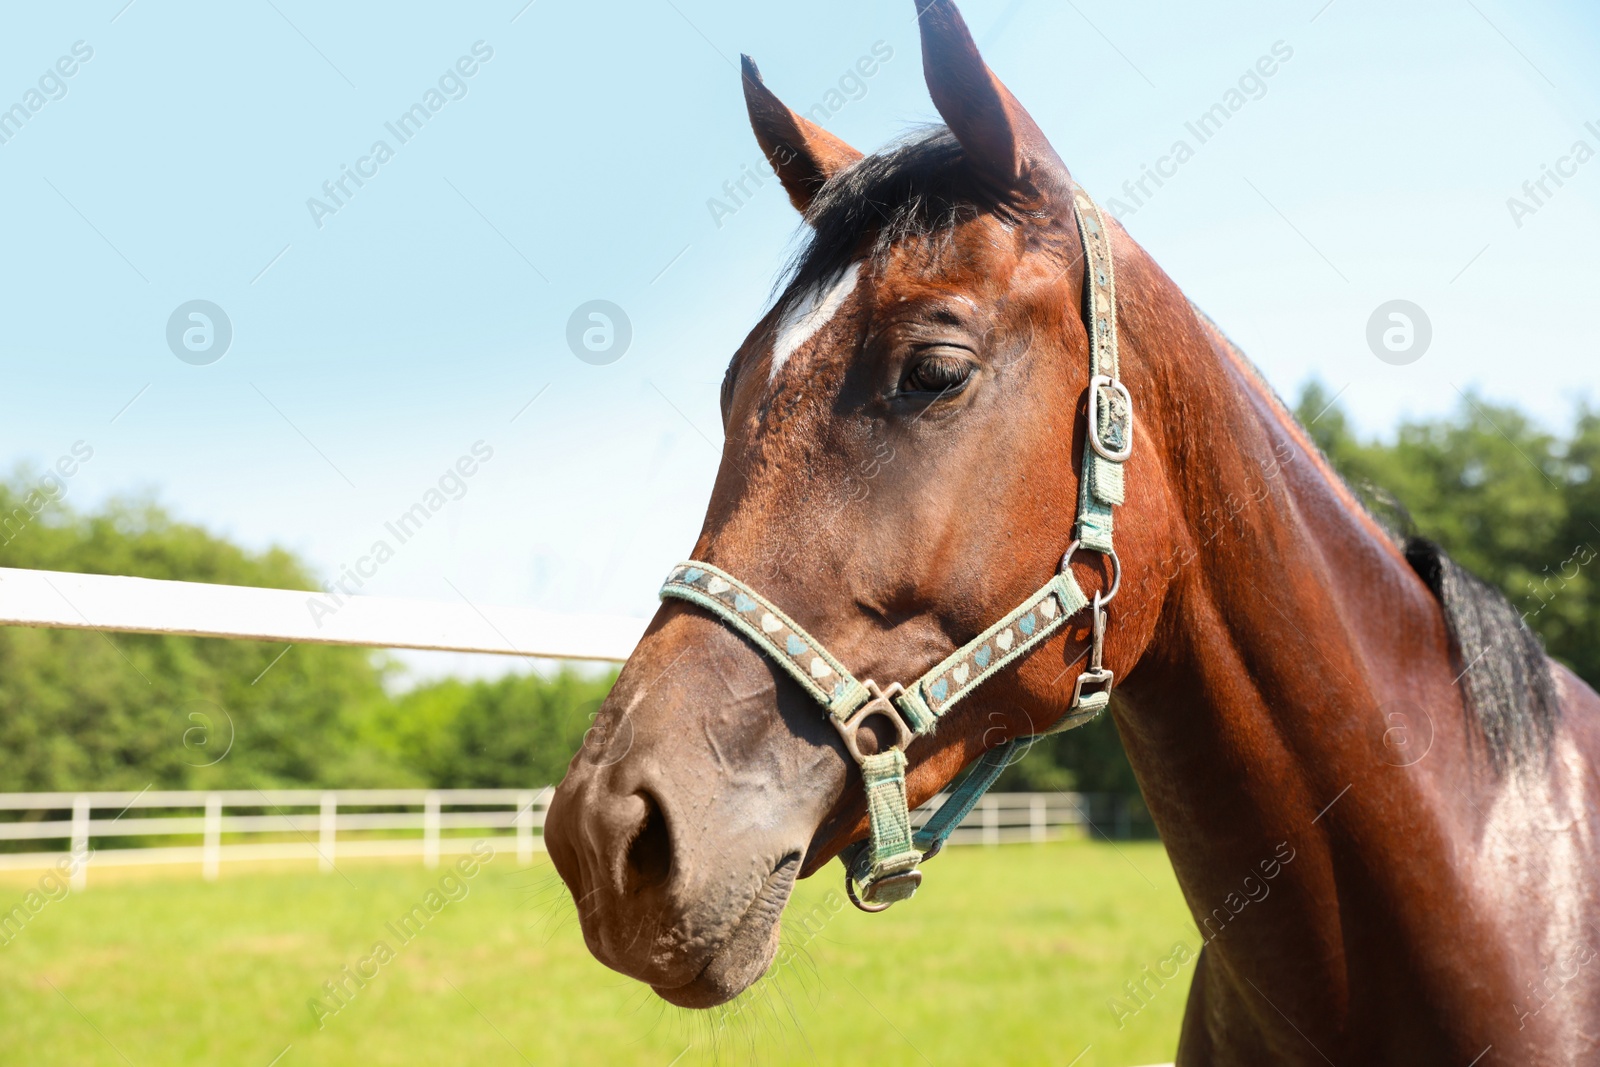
<point>810,313</point>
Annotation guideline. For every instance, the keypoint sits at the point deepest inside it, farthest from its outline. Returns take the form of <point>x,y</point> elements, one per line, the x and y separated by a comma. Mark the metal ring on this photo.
<point>1116,569</point>
<point>850,890</point>
<point>881,703</point>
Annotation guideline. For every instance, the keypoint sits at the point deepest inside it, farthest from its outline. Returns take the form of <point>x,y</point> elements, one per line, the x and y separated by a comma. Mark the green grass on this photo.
<point>1007,955</point>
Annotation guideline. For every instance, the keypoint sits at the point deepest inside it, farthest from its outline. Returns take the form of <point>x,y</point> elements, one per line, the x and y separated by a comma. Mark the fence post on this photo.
<point>524,829</point>
<point>1036,818</point>
<point>991,820</point>
<point>430,829</point>
<point>80,841</point>
<point>211,854</point>
<point>1124,823</point>
<point>327,831</point>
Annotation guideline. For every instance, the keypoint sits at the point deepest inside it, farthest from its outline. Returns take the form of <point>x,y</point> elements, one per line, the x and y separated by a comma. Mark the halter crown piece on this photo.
<point>885,866</point>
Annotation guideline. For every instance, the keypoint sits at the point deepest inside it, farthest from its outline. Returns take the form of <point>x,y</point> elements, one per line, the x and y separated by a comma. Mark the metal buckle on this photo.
<point>882,703</point>
<point>1105,381</point>
<point>903,885</point>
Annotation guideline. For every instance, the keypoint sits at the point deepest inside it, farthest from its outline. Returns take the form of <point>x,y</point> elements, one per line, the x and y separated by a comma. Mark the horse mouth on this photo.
<point>744,954</point>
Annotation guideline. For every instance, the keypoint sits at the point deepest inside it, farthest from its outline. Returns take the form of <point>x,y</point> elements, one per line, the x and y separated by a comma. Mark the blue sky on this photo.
<point>577,162</point>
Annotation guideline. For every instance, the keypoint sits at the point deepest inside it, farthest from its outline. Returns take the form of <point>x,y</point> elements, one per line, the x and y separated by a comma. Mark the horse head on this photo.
<point>902,437</point>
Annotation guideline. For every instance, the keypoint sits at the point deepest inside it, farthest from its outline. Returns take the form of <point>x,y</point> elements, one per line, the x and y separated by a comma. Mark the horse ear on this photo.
<point>999,136</point>
<point>803,153</point>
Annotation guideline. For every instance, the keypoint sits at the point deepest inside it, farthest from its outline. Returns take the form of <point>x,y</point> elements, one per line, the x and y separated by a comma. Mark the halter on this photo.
<point>885,866</point>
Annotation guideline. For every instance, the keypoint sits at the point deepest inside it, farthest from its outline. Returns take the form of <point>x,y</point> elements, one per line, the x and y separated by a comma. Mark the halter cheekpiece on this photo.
<point>885,866</point>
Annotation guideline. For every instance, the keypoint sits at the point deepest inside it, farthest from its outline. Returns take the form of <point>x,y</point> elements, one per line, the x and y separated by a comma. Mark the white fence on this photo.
<point>147,605</point>
<point>322,826</point>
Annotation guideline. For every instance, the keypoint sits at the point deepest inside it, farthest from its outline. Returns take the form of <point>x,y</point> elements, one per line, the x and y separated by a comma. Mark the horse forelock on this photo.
<point>922,186</point>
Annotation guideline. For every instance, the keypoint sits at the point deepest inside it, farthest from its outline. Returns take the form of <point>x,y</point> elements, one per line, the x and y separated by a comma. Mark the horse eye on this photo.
<point>942,372</point>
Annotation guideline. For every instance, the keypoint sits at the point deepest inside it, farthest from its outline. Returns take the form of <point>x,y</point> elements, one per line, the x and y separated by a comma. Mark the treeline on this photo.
<point>1517,504</point>
<point>81,709</point>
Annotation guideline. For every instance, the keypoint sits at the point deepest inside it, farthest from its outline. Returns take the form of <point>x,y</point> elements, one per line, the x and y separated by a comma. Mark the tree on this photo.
<point>515,732</point>
<point>83,709</point>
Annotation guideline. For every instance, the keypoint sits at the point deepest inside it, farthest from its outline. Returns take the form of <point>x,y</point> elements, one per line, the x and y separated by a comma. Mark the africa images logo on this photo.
<point>199,332</point>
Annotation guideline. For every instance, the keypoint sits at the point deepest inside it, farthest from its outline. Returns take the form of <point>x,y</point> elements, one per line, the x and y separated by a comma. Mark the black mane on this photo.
<point>1505,675</point>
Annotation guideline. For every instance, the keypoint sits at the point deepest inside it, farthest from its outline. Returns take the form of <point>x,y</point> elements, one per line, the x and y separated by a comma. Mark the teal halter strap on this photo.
<point>885,866</point>
<point>849,702</point>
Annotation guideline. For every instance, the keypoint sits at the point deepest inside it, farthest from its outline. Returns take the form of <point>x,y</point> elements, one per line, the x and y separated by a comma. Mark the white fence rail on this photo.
<point>207,829</point>
<point>146,605</point>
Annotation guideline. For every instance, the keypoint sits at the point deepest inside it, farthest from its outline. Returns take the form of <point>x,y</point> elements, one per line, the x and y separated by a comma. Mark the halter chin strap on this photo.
<point>885,866</point>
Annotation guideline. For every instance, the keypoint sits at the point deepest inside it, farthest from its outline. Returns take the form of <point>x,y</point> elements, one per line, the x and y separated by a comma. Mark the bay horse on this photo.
<point>1302,693</point>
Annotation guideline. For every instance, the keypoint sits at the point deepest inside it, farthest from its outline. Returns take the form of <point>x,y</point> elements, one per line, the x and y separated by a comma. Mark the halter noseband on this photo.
<point>885,866</point>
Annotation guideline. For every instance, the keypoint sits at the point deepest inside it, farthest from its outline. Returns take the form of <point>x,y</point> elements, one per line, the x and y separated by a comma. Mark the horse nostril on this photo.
<point>650,854</point>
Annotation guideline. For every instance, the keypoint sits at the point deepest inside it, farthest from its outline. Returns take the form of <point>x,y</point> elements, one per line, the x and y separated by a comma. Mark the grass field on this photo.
<point>1008,955</point>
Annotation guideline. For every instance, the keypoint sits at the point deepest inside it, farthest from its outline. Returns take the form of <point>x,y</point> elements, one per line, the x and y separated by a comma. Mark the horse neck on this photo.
<point>1292,626</point>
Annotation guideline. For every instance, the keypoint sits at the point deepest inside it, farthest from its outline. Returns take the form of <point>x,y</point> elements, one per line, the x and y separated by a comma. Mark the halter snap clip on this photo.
<point>1097,674</point>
